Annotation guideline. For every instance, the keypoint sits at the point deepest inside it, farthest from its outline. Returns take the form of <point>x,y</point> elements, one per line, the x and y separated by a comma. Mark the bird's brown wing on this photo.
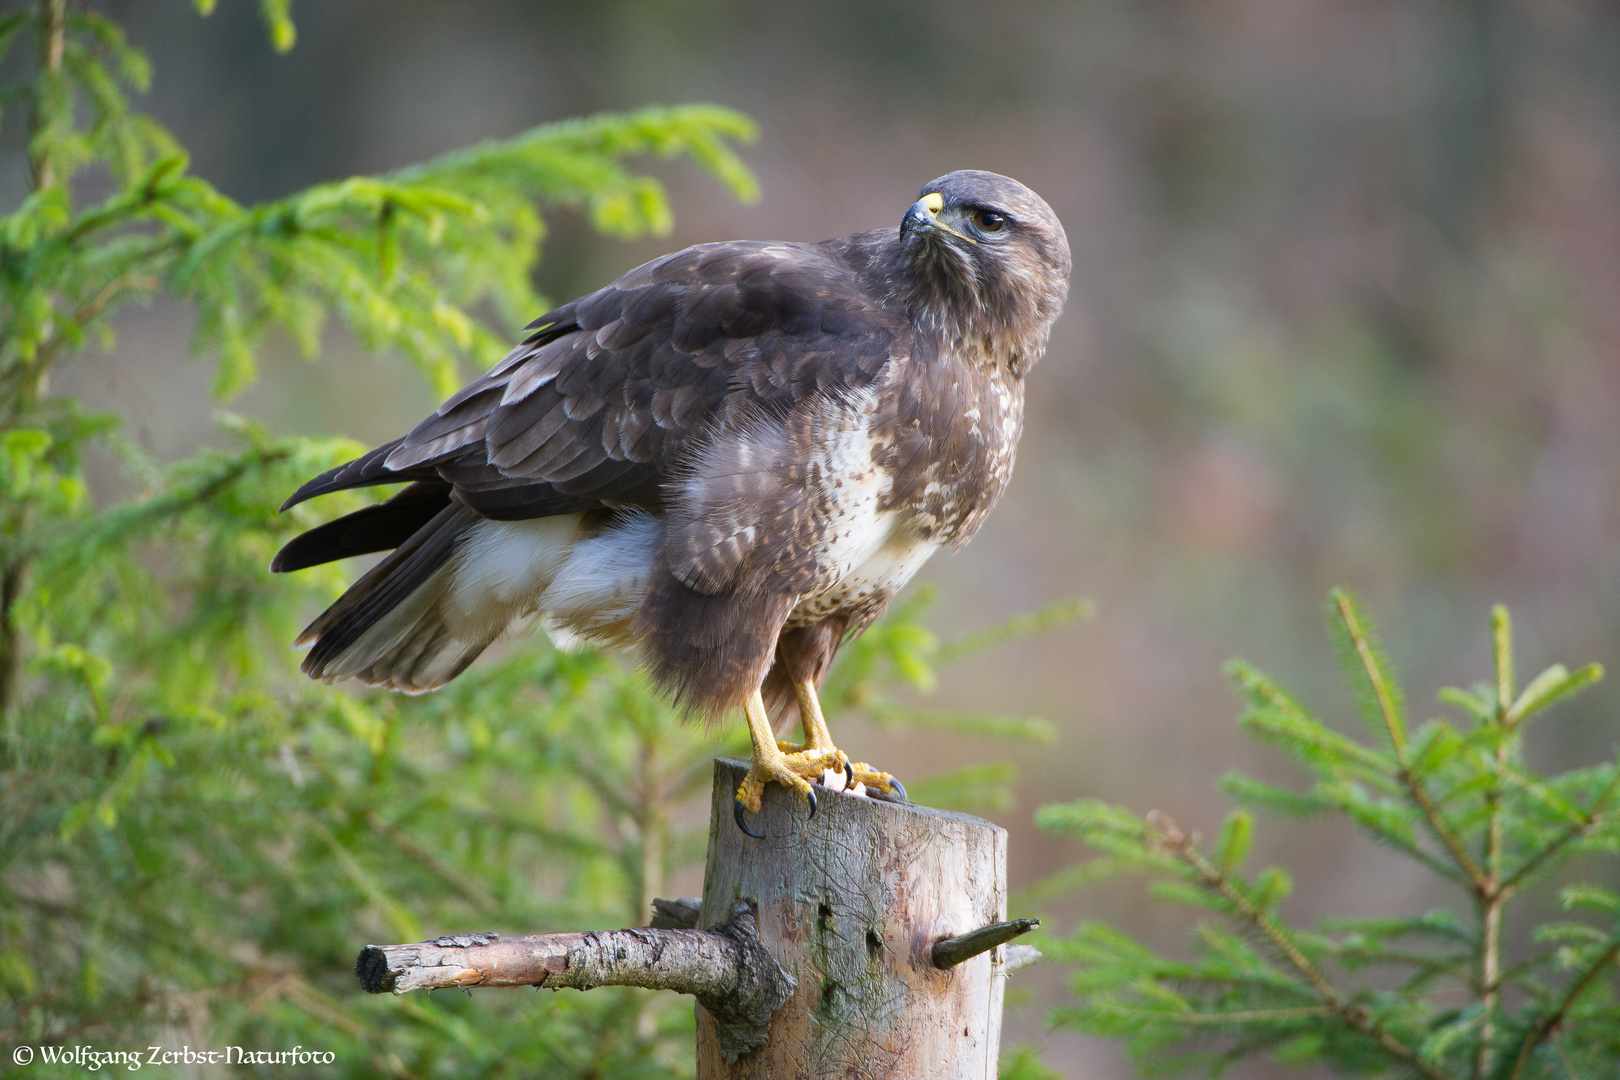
<point>616,400</point>
<point>609,396</point>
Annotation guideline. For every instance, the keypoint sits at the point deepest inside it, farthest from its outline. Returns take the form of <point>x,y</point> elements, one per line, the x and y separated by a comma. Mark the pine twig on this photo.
<point>1538,1034</point>
<point>1386,706</point>
<point>169,504</point>
<point>1492,899</point>
<point>1589,818</point>
<point>456,879</point>
<point>1477,878</point>
<point>1212,1019</point>
<point>52,47</point>
<point>1351,1013</point>
<point>1027,624</point>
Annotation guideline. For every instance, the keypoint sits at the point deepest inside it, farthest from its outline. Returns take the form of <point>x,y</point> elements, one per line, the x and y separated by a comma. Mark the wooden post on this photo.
<point>866,941</point>
<point>851,904</point>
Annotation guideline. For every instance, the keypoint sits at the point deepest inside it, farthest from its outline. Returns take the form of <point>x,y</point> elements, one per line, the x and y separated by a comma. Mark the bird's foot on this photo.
<point>836,761</point>
<point>800,770</point>
<point>827,758</point>
<point>863,773</point>
<point>792,770</point>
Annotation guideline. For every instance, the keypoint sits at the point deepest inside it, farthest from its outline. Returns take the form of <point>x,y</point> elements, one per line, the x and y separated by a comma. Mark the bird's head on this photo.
<point>988,265</point>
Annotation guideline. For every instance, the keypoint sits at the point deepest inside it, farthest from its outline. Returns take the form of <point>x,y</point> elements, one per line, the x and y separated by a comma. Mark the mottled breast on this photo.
<point>947,438</point>
<point>940,437</point>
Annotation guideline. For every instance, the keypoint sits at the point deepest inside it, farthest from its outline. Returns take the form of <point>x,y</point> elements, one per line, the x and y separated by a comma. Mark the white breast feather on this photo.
<point>852,528</point>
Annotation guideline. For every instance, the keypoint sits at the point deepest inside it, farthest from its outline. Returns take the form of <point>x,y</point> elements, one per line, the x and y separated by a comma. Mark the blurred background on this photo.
<point>1345,311</point>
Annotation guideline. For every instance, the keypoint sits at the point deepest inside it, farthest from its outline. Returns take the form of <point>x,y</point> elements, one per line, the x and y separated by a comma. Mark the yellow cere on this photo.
<point>933,202</point>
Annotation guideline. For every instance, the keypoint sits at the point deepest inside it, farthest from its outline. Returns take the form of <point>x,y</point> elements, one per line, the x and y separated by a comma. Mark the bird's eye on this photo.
<point>989,221</point>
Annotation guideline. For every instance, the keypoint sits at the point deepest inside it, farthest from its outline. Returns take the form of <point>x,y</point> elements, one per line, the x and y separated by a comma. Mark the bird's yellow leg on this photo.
<point>770,763</point>
<point>816,735</point>
<point>818,738</point>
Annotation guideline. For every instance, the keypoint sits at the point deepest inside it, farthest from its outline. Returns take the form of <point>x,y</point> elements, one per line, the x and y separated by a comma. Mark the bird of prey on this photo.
<point>732,457</point>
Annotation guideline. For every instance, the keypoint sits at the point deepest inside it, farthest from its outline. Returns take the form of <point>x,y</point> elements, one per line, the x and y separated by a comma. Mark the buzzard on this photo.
<point>731,457</point>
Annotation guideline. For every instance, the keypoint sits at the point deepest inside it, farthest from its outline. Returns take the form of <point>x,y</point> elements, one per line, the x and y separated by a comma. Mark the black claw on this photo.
<point>899,789</point>
<point>812,794</point>
<point>849,774</point>
<point>737,811</point>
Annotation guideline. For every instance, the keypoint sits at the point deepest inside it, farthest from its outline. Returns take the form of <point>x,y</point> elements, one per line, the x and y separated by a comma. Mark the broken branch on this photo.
<point>726,968</point>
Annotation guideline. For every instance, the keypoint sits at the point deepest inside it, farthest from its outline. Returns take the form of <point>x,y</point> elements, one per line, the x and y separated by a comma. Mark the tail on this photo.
<point>390,628</point>
<point>381,527</point>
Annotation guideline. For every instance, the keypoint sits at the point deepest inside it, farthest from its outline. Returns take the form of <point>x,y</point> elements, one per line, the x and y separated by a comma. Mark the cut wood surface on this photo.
<point>851,903</point>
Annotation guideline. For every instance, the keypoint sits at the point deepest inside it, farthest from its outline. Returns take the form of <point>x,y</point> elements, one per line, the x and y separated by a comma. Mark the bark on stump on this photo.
<point>851,904</point>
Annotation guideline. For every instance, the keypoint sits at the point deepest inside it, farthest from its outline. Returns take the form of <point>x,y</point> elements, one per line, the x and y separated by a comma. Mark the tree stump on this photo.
<point>851,904</point>
<point>866,941</point>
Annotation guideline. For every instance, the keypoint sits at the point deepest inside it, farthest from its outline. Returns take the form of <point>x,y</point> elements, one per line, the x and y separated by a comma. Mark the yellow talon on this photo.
<point>823,757</point>
<point>770,762</point>
<point>882,781</point>
<point>779,769</point>
<point>794,765</point>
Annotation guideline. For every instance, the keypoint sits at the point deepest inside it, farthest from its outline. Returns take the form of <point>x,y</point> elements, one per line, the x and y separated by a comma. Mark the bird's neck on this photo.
<point>942,298</point>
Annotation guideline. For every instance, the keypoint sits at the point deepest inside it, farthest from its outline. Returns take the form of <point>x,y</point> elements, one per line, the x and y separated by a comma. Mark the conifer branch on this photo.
<point>1351,1013</point>
<point>1540,1032</point>
<point>1590,817</point>
<point>1386,705</point>
<point>132,518</point>
<point>27,374</point>
<point>1249,992</point>
<point>453,877</point>
<point>1490,944</point>
<point>1375,671</point>
<point>1437,824</point>
<point>1218,1019</point>
<point>1492,899</point>
<point>52,47</point>
<point>13,578</point>
<point>109,292</point>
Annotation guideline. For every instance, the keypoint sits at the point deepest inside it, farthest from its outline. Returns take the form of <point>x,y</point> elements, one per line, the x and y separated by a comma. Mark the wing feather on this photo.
<point>367,470</point>
<point>518,432</point>
<point>610,397</point>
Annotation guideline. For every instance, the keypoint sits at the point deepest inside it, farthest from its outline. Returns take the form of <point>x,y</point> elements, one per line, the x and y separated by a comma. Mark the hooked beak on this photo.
<point>923,217</point>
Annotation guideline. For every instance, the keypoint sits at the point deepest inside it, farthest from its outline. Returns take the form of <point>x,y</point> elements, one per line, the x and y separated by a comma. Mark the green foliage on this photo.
<point>1024,1063</point>
<point>403,258</point>
<point>1444,994</point>
<point>194,839</point>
